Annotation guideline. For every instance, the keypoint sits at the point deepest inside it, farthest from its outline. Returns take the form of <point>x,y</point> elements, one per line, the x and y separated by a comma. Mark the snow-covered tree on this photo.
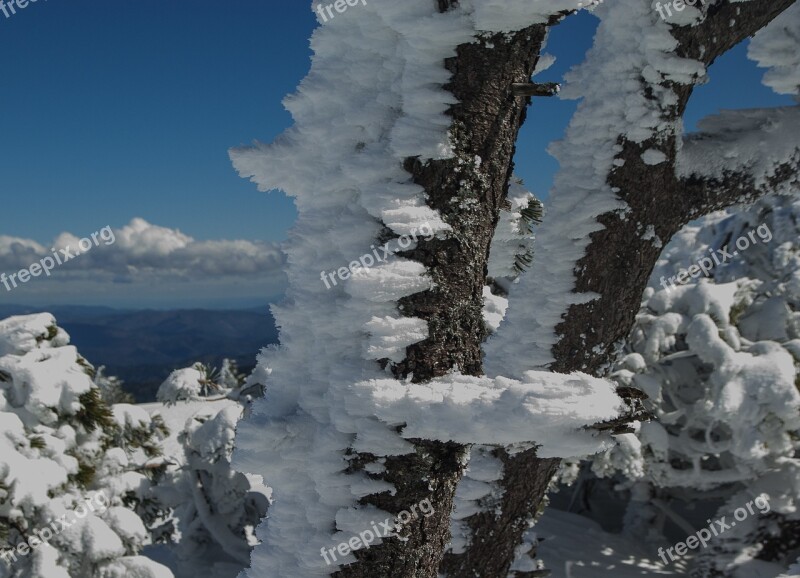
<point>408,320</point>
<point>201,382</point>
<point>719,359</point>
<point>379,387</point>
<point>189,384</point>
<point>629,180</point>
<point>215,509</point>
<point>71,467</point>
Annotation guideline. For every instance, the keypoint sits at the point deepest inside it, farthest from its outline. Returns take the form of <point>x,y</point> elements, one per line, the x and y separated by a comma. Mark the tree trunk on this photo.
<point>617,265</point>
<point>468,190</point>
<point>494,537</point>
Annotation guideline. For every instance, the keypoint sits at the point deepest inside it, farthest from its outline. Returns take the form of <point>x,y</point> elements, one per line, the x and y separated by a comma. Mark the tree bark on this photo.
<point>618,261</point>
<point>468,191</point>
<point>495,537</point>
<point>617,266</point>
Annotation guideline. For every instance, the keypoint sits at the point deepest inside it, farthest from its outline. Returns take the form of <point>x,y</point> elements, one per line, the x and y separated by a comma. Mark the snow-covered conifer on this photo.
<point>70,467</point>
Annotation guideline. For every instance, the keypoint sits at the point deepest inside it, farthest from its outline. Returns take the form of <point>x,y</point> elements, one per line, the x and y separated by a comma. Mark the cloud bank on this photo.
<point>147,266</point>
<point>142,251</point>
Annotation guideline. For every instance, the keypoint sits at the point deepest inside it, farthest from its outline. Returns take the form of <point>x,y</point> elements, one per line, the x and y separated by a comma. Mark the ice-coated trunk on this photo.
<point>621,249</point>
<point>468,190</point>
<point>369,162</point>
<point>430,145</point>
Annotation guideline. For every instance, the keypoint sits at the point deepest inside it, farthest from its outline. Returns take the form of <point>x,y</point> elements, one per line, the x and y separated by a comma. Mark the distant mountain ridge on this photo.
<point>143,346</point>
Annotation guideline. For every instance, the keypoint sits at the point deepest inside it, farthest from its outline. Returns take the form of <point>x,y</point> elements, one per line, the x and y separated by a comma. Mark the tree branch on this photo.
<point>739,156</point>
<point>535,88</point>
<point>726,24</point>
<point>621,254</point>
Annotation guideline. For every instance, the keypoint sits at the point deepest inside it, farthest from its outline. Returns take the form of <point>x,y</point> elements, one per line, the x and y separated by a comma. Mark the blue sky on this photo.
<point>119,110</point>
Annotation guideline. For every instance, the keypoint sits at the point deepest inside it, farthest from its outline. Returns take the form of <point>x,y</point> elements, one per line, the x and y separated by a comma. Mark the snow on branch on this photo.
<point>740,155</point>
<point>510,16</point>
<point>776,47</point>
<point>216,526</point>
<point>545,408</point>
<point>22,334</point>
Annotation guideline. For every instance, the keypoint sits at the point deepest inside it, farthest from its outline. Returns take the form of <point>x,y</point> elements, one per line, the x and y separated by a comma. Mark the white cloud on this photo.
<point>142,251</point>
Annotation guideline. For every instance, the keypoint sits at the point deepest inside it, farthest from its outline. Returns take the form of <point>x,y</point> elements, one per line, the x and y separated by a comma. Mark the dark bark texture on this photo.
<point>495,537</point>
<point>617,266</point>
<point>618,261</point>
<point>468,190</point>
<point>468,193</point>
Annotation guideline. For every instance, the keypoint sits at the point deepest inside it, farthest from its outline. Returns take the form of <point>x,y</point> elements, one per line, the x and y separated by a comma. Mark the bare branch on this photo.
<point>535,88</point>
<point>726,24</point>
